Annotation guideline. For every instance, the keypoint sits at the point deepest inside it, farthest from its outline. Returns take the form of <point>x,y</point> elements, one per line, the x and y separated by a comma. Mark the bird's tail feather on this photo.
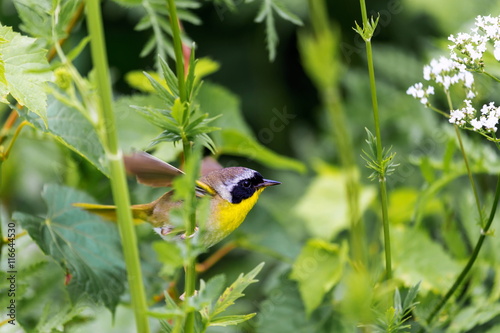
<point>139,212</point>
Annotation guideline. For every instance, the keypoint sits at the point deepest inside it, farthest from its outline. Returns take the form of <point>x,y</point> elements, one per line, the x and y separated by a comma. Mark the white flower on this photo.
<point>496,51</point>
<point>457,117</point>
<point>418,92</point>
<point>476,124</point>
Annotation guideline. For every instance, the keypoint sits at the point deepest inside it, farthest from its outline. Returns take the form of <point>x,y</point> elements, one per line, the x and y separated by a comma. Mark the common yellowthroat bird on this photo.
<point>232,192</point>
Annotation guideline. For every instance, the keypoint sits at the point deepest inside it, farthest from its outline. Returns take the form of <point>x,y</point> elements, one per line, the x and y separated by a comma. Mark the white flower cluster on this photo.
<point>418,92</point>
<point>466,56</point>
<point>488,120</point>
<point>473,45</point>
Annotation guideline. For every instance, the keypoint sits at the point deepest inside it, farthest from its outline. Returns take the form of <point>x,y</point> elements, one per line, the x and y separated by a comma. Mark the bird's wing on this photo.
<point>150,170</point>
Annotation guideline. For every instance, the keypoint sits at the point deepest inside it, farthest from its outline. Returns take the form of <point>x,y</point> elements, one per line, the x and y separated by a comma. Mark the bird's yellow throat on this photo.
<point>229,216</point>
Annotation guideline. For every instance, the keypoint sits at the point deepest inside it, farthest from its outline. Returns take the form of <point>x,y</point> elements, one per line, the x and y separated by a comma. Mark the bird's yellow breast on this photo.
<point>226,217</point>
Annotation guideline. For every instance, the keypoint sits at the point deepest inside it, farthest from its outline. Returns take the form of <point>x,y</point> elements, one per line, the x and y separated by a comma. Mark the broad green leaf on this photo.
<point>81,243</point>
<point>317,269</point>
<point>324,206</point>
<point>417,257</point>
<point>237,144</point>
<point>23,71</point>
<point>402,203</point>
<point>283,311</point>
<point>73,130</point>
<point>231,320</point>
<point>236,138</point>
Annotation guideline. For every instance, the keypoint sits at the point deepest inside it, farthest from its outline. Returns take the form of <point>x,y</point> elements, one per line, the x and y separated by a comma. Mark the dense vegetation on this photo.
<point>385,218</point>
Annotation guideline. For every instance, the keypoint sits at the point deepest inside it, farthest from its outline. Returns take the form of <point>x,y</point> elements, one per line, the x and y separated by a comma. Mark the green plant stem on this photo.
<point>378,135</point>
<point>117,171</point>
<point>469,174</point>
<point>331,100</point>
<point>466,161</point>
<point>472,259</point>
<point>179,58</point>
<point>190,269</point>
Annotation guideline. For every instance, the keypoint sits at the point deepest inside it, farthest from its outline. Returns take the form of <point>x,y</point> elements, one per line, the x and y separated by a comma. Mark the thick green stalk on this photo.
<point>179,56</point>
<point>378,135</point>
<point>190,274</point>
<point>117,171</point>
<point>472,259</point>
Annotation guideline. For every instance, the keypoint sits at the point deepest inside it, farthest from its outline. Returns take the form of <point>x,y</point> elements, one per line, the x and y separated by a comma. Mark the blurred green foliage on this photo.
<point>272,120</point>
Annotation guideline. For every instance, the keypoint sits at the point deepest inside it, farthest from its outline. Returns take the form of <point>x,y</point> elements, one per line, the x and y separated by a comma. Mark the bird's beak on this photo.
<point>268,182</point>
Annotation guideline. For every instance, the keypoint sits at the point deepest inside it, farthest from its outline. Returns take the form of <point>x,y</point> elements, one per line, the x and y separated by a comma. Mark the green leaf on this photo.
<point>324,206</point>
<point>68,126</point>
<point>403,202</point>
<point>178,111</point>
<point>38,17</point>
<point>266,12</point>
<point>81,243</point>
<point>236,138</point>
<point>23,71</point>
<point>231,320</point>
<point>235,291</point>
<point>286,14</point>
<point>418,258</point>
<point>317,269</point>
<point>55,319</point>
<point>169,255</point>
<point>207,295</point>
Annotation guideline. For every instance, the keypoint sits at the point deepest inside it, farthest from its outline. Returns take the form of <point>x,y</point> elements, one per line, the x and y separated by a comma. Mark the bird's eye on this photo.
<point>246,183</point>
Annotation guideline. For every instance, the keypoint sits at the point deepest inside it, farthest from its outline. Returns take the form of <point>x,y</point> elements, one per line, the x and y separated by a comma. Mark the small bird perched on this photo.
<point>232,192</point>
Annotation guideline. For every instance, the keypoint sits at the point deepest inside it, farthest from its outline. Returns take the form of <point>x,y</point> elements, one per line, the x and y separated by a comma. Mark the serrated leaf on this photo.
<point>81,243</point>
<point>317,269</point>
<point>266,13</point>
<point>286,14</point>
<point>163,90</point>
<point>324,206</point>
<point>235,291</point>
<point>207,295</point>
<point>231,320</point>
<point>24,71</point>
<point>55,319</point>
<point>236,138</point>
<point>68,126</point>
<point>38,18</point>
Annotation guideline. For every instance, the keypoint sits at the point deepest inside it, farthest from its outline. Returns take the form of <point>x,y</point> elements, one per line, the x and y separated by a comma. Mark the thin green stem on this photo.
<point>491,76</point>
<point>179,59</point>
<point>378,135</point>
<point>466,161</point>
<point>117,171</point>
<point>472,259</point>
<point>469,174</point>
